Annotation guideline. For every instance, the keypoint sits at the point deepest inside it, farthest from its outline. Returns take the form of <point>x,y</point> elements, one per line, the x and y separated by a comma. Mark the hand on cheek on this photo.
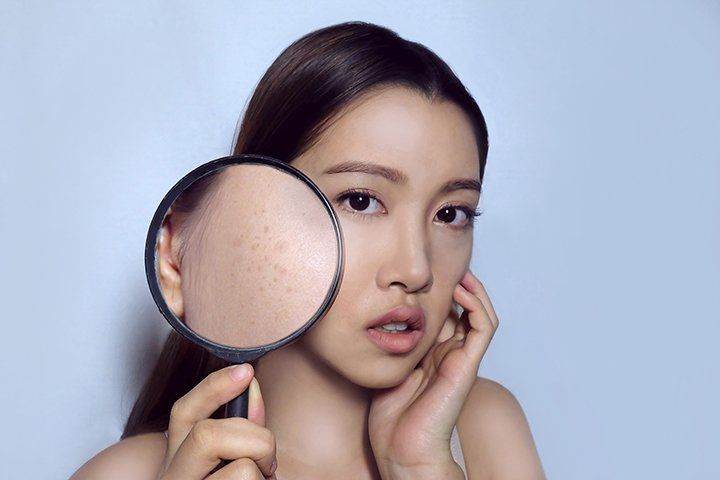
<point>411,424</point>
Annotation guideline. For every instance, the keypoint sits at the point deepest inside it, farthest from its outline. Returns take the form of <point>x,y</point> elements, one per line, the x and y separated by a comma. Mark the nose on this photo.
<point>407,258</point>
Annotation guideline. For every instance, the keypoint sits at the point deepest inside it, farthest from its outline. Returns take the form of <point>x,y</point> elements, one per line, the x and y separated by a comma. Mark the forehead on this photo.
<point>398,128</point>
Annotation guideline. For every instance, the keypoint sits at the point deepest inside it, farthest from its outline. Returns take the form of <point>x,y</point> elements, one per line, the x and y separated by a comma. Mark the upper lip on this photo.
<point>414,316</point>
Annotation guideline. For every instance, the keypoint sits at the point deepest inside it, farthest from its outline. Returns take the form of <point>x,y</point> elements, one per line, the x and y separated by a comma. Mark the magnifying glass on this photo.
<point>243,255</point>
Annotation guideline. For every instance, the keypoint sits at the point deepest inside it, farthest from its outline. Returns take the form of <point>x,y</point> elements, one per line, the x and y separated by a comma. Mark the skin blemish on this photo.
<point>238,241</point>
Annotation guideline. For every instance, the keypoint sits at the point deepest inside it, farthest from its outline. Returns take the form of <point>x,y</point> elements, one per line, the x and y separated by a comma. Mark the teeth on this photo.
<point>393,327</point>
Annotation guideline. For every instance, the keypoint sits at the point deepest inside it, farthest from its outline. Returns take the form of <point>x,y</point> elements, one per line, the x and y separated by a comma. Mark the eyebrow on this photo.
<point>396,176</point>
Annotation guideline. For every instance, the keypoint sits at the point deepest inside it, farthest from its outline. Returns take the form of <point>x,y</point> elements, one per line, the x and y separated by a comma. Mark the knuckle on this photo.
<point>486,328</point>
<point>267,439</point>
<point>245,469</point>
<point>477,302</point>
<point>178,409</point>
<point>202,434</point>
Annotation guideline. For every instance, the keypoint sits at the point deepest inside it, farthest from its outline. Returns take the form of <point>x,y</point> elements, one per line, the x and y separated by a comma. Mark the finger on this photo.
<point>213,391</point>
<point>428,362</point>
<point>482,328</point>
<point>256,405</point>
<point>212,440</point>
<point>240,469</point>
<point>449,330</point>
<point>453,366</point>
<point>434,356</point>
<point>475,286</point>
<point>456,371</point>
<point>462,327</point>
<point>444,393</point>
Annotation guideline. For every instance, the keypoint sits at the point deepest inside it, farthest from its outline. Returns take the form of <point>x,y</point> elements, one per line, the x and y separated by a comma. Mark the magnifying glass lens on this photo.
<point>246,255</point>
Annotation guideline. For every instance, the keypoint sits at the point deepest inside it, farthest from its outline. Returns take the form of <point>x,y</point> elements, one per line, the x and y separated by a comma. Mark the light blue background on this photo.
<point>599,245</point>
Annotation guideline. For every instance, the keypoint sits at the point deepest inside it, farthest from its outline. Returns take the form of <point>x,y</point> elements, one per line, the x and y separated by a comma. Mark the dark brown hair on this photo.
<point>305,88</point>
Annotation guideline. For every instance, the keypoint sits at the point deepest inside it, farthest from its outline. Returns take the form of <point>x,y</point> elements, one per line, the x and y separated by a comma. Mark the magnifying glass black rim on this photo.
<point>234,354</point>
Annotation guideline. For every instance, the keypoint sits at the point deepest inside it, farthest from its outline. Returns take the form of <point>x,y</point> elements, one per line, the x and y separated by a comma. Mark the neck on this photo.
<point>319,417</point>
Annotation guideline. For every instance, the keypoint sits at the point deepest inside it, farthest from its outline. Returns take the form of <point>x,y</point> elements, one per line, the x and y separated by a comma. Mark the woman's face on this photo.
<point>403,245</point>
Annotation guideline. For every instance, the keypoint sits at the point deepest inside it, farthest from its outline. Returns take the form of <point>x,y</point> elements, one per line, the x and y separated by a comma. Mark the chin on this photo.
<point>378,373</point>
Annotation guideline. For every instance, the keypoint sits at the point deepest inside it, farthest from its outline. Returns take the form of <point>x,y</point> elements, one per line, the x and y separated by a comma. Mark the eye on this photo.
<point>458,216</point>
<point>358,202</point>
<point>362,202</point>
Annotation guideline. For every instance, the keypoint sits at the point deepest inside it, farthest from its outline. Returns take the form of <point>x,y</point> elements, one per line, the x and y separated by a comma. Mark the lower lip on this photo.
<point>402,342</point>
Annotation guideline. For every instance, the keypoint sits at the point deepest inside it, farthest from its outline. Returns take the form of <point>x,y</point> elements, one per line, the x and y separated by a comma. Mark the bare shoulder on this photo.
<point>138,457</point>
<point>495,435</point>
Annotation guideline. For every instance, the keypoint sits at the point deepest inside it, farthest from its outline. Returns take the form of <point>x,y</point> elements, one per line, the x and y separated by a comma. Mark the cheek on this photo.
<point>365,249</point>
<point>365,240</point>
<point>450,262</point>
<point>346,315</point>
<point>451,257</point>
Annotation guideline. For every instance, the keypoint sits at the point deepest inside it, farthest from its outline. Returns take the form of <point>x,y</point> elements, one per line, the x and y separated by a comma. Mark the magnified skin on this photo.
<point>260,258</point>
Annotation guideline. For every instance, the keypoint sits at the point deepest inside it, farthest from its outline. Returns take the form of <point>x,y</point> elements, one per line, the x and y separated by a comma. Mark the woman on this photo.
<point>392,137</point>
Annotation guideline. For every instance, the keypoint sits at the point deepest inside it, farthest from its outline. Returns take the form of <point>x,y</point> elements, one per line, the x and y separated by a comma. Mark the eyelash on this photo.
<point>469,212</point>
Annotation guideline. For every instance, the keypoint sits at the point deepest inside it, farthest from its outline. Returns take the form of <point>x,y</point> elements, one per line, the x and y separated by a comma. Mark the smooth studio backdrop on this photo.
<point>599,243</point>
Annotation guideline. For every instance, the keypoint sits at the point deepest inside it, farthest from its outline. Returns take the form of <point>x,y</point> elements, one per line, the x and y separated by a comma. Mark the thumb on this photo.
<point>256,405</point>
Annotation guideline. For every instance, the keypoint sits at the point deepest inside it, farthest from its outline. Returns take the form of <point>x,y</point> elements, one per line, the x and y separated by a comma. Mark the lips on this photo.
<point>413,316</point>
<point>400,341</point>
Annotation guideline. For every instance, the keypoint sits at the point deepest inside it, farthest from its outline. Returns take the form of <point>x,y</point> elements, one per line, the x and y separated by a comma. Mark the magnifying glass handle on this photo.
<point>238,406</point>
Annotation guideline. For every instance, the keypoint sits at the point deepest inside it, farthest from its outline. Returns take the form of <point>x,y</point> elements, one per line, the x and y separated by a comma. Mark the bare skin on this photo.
<point>357,411</point>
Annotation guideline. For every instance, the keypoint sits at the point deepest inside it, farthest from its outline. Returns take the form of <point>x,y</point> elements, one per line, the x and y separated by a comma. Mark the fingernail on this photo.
<point>255,389</point>
<point>240,372</point>
<point>273,467</point>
